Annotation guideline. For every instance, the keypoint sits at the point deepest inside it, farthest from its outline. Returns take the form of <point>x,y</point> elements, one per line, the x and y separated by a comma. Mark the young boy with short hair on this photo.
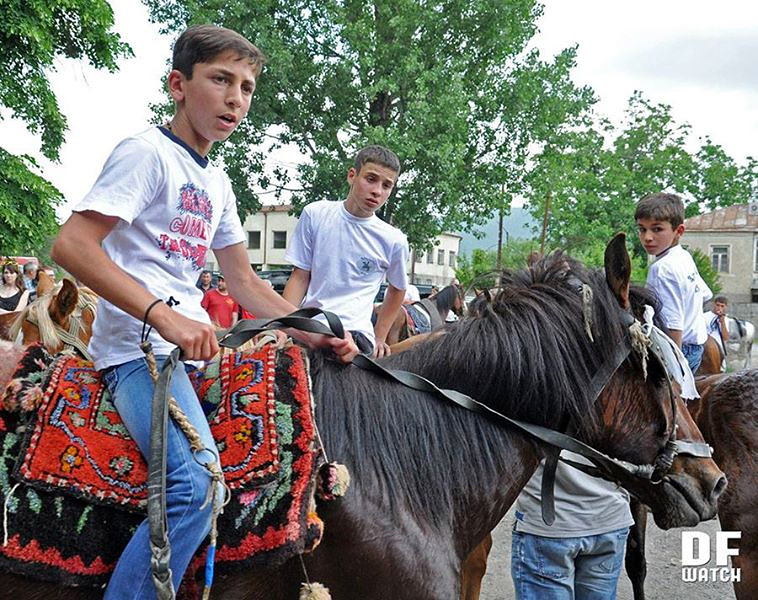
<point>341,252</point>
<point>141,235</point>
<point>673,275</point>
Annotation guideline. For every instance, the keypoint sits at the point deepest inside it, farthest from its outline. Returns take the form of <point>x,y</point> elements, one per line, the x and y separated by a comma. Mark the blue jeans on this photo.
<point>694,355</point>
<point>187,482</point>
<point>579,568</point>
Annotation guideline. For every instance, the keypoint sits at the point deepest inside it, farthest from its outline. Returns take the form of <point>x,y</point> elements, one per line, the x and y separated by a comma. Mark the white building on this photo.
<point>270,230</point>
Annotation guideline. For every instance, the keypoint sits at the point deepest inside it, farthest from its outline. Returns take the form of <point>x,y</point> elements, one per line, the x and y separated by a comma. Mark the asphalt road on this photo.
<point>664,575</point>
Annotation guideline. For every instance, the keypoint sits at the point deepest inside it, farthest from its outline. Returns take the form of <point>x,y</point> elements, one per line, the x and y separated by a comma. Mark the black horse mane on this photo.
<point>526,355</point>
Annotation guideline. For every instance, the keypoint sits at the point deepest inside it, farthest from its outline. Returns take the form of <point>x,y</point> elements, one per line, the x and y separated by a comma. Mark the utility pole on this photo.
<point>544,223</point>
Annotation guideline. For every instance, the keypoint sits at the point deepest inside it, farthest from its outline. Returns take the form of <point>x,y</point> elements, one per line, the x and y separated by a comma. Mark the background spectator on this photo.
<point>220,306</point>
<point>13,293</point>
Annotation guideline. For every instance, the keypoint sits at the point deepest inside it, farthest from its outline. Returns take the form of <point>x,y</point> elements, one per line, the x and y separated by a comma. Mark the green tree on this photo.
<point>33,35</point>
<point>514,256</point>
<point>447,84</point>
<point>591,176</point>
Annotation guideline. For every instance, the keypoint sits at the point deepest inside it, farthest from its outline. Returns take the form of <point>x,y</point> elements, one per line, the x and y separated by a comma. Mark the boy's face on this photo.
<point>369,188</point>
<point>658,236</point>
<point>719,308</point>
<point>213,102</point>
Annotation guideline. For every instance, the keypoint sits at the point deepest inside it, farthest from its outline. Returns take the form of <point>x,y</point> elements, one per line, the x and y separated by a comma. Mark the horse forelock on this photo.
<point>37,314</point>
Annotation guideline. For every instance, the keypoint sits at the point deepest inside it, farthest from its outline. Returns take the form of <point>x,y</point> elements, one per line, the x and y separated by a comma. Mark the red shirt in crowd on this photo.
<point>221,308</point>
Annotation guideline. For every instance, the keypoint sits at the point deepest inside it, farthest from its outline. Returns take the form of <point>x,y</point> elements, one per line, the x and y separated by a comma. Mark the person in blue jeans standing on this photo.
<point>579,556</point>
<point>142,236</point>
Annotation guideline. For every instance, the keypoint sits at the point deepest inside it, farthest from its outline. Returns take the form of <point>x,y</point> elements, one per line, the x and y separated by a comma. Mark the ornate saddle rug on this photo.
<point>418,319</point>
<point>74,484</point>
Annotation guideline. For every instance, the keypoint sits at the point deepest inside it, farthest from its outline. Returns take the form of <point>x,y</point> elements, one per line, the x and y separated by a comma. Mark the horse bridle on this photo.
<point>70,337</point>
<point>604,466</point>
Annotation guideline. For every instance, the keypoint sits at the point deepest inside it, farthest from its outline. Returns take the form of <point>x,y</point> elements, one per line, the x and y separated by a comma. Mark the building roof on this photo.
<point>737,217</point>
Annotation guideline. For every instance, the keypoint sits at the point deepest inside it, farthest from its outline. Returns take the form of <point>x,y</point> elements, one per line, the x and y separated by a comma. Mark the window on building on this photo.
<point>430,257</point>
<point>720,258</point>
<point>254,240</point>
<point>755,255</point>
<point>754,296</point>
<point>419,256</point>
<point>440,257</point>
<point>280,239</point>
<point>451,259</point>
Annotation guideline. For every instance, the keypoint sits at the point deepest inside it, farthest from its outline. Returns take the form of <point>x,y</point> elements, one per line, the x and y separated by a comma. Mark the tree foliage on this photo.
<point>447,84</point>
<point>27,213</point>
<point>594,174</point>
<point>473,269</point>
<point>33,34</point>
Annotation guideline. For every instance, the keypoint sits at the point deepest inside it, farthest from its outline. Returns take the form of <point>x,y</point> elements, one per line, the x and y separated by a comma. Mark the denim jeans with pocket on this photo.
<point>187,481</point>
<point>578,568</point>
<point>694,355</point>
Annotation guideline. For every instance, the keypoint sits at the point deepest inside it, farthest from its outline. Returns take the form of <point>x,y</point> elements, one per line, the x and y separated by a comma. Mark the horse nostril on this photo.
<point>718,488</point>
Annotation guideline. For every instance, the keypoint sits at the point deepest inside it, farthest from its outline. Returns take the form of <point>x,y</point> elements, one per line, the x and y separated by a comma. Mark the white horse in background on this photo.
<point>740,344</point>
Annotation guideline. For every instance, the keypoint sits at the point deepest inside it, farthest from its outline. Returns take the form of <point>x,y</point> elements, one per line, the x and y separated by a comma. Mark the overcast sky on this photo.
<point>697,56</point>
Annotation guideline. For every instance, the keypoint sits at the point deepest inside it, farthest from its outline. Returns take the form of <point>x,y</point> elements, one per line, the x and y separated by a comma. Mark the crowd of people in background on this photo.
<point>19,284</point>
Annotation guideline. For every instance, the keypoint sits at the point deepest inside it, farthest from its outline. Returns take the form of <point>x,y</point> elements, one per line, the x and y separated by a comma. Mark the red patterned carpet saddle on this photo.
<point>73,482</point>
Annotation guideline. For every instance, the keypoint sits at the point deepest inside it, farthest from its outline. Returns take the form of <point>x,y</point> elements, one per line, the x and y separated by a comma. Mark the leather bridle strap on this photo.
<point>160,548</point>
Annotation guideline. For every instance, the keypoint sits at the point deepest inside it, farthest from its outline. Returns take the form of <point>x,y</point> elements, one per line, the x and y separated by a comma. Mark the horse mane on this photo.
<point>527,355</point>
<point>39,313</point>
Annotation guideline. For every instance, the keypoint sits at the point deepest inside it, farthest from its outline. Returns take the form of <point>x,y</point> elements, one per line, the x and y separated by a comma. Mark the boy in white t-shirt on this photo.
<point>342,251</point>
<point>673,275</point>
<point>142,235</point>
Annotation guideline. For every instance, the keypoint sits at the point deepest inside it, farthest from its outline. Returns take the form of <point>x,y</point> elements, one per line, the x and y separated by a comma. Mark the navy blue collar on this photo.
<point>200,160</point>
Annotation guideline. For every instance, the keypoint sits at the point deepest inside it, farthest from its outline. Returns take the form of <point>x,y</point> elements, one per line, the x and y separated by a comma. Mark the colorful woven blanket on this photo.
<point>74,482</point>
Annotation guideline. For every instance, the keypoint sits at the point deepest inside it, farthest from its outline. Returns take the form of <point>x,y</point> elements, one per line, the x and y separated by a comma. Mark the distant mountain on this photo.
<point>517,225</point>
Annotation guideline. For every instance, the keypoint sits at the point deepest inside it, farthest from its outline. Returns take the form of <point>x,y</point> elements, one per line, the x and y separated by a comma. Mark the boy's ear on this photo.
<point>351,173</point>
<point>175,84</point>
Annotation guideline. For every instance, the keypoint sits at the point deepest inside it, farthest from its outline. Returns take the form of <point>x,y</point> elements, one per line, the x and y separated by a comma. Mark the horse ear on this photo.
<point>45,283</point>
<point>533,257</point>
<point>618,268</point>
<point>65,301</point>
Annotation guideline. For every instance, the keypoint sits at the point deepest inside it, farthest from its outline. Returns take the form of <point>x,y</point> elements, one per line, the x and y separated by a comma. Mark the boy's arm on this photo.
<point>393,298</point>
<point>256,296</point>
<point>77,249</point>
<point>297,286</point>
<point>676,335</point>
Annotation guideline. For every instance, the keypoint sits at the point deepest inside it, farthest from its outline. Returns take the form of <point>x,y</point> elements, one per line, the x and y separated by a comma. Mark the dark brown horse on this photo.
<point>437,307</point>
<point>727,415</point>
<point>431,480</point>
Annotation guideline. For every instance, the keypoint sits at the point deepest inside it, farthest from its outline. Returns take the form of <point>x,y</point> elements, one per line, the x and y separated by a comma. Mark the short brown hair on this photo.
<point>661,207</point>
<point>203,43</point>
<point>379,155</point>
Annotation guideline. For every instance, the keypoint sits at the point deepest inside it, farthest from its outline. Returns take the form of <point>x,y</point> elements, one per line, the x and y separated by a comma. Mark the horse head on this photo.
<point>61,317</point>
<point>644,420</point>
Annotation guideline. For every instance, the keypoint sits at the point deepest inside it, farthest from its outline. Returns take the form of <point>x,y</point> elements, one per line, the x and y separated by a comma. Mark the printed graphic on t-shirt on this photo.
<point>366,265</point>
<point>196,212</point>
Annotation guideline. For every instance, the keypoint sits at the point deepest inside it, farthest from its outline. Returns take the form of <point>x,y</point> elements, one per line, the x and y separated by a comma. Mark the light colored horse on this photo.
<point>60,318</point>
<point>740,344</point>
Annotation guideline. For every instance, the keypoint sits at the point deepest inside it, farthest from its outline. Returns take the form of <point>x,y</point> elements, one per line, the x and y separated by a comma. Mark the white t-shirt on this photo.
<point>412,294</point>
<point>173,208</point>
<point>348,258</point>
<point>584,505</point>
<point>681,290</point>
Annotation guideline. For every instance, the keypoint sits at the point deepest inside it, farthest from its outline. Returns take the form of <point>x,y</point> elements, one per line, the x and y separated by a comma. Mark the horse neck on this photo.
<point>414,454</point>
